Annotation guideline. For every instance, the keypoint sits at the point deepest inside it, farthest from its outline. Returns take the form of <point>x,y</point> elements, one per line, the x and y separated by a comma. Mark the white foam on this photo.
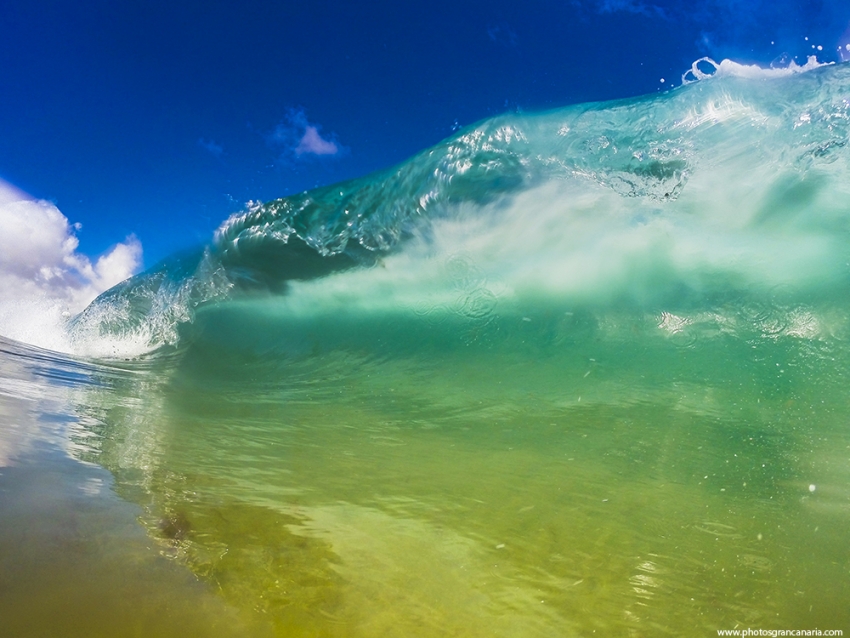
<point>35,319</point>
<point>729,68</point>
<point>583,244</point>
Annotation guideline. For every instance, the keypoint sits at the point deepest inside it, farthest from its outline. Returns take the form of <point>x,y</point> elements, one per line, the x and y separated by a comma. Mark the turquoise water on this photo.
<point>573,373</point>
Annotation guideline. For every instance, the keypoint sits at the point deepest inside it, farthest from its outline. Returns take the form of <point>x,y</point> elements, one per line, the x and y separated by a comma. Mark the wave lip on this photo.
<point>730,68</point>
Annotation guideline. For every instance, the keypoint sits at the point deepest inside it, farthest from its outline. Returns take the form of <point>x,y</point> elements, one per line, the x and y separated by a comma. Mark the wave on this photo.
<point>587,366</point>
<point>671,202</point>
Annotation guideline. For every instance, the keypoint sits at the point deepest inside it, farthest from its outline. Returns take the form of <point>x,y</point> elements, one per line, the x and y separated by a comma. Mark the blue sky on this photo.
<point>159,119</point>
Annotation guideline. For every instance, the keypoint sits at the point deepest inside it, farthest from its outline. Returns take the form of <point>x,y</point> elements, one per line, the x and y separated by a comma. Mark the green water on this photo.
<point>559,474</point>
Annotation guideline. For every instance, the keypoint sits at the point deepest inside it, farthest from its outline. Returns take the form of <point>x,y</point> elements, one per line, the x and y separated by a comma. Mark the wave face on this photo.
<point>731,183</point>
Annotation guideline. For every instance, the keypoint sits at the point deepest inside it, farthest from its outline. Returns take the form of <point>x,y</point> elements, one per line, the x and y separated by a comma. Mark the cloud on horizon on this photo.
<point>300,138</point>
<point>43,277</point>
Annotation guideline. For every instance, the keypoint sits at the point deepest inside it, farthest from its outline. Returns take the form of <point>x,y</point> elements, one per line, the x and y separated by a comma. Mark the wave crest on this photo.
<point>720,185</point>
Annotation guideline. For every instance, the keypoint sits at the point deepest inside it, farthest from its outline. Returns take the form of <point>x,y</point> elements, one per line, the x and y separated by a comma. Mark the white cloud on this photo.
<point>214,149</point>
<point>9,193</point>
<point>301,138</point>
<point>43,277</point>
<point>312,142</point>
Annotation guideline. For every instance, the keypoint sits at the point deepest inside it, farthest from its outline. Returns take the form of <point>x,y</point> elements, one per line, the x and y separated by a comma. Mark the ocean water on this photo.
<point>573,373</point>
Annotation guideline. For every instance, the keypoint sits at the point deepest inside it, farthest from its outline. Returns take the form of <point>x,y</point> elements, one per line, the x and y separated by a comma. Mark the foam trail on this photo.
<point>587,247</point>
